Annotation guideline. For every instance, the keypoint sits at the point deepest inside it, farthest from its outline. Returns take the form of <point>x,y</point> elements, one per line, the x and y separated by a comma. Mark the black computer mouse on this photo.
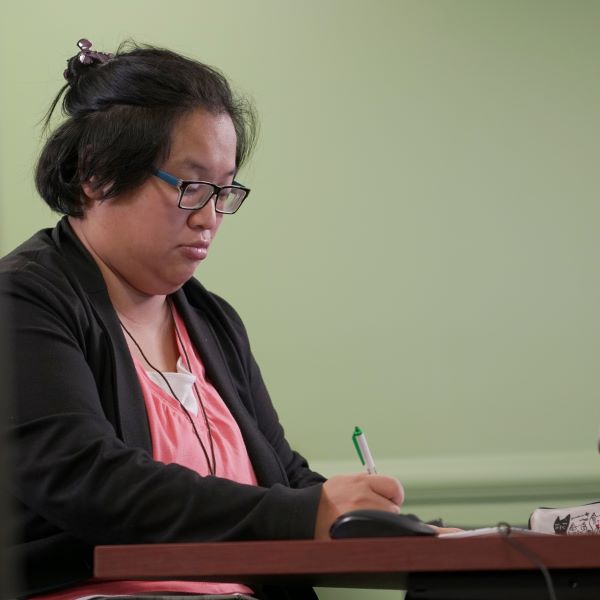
<point>377,523</point>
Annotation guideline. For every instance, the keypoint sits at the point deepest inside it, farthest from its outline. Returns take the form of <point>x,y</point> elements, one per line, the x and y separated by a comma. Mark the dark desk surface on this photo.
<point>369,563</point>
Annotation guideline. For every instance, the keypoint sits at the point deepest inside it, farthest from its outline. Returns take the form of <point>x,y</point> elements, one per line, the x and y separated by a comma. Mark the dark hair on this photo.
<point>121,112</point>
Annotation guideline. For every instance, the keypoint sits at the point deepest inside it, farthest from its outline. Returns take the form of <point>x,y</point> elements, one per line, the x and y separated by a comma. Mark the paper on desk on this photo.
<point>488,531</point>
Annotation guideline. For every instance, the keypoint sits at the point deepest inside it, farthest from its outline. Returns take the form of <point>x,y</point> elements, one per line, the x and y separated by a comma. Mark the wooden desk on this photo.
<point>417,563</point>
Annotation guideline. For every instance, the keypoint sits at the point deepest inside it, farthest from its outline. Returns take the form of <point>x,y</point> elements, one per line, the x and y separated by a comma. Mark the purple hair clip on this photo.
<point>87,56</point>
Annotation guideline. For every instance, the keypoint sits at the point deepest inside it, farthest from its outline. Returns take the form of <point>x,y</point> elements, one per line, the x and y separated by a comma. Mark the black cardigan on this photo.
<point>84,473</point>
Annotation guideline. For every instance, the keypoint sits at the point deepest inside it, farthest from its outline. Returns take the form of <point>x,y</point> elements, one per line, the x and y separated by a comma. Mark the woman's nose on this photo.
<point>205,217</point>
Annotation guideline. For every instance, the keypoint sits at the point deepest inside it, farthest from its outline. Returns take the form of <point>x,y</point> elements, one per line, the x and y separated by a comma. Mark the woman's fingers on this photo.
<point>344,493</point>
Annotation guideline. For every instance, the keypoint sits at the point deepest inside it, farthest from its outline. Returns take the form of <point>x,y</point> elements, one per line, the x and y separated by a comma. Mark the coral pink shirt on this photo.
<point>174,441</point>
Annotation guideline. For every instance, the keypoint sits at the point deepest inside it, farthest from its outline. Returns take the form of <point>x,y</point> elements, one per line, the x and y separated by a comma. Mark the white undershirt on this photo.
<point>182,383</point>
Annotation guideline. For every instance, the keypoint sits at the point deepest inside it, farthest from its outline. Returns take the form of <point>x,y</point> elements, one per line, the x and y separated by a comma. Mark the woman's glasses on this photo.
<point>193,195</point>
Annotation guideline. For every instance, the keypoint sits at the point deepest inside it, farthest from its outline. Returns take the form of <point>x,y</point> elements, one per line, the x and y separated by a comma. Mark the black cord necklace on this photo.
<point>212,464</point>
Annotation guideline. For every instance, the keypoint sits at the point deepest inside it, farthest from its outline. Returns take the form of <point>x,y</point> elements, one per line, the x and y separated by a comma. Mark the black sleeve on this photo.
<point>75,474</point>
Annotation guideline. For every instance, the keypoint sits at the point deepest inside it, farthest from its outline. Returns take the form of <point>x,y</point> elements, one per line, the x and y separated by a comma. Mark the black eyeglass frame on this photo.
<point>182,184</point>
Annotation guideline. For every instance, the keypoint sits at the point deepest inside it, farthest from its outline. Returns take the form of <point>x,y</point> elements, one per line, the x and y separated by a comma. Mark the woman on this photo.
<point>140,413</point>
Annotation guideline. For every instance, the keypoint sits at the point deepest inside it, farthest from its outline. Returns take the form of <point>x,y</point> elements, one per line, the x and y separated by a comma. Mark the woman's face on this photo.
<point>143,237</point>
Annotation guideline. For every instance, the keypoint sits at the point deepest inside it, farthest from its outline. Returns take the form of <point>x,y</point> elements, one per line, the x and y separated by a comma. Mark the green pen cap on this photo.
<point>357,432</point>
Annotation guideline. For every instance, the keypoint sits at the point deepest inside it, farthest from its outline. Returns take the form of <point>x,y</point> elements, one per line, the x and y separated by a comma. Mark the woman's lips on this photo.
<point>197,251</point>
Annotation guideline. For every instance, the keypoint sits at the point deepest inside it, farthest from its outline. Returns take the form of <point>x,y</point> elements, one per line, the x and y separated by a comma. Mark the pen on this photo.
<point>362,448</point>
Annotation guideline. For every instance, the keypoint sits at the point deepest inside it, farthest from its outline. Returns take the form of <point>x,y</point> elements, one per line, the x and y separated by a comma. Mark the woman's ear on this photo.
<point>91,191</point>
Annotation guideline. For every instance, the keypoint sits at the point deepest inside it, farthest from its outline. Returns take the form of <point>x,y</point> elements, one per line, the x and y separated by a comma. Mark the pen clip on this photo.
<point>357,432</point>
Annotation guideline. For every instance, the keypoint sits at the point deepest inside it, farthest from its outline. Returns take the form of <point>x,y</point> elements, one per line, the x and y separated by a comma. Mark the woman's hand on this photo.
<point>344,493</point>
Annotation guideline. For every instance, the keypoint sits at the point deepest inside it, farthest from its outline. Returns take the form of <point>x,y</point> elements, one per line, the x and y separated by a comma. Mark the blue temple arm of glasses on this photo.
<point>166,177</point>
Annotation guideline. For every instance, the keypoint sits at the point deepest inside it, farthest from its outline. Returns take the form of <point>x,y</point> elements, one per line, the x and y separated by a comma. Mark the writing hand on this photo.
<point>343,493</point>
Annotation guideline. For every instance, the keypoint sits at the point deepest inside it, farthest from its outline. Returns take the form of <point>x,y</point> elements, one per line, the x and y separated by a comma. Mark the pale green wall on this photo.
<point>420,251</point>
